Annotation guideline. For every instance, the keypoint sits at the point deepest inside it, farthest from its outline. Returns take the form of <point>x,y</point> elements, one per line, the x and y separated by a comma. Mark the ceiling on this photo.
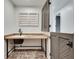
<point>29,3</point>
<point>60,4</point>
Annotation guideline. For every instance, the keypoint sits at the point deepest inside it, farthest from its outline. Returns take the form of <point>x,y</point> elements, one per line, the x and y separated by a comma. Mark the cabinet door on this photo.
<point>61,46</point>
<point>65,42</point>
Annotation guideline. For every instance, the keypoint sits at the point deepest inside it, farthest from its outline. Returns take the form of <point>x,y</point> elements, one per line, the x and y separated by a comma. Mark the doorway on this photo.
<point>58,23</point>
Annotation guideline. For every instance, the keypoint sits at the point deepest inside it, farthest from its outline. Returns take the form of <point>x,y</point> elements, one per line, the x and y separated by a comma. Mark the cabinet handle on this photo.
<point>70,44</point>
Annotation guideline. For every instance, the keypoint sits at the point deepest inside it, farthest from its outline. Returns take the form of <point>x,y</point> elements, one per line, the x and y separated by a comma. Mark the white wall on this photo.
<point>52,17</point>
<point>67,19</point>
<point>32,42</point>
<point>66,13</point>
<point>9,21</point>
<point>31,10</point>
<point>11,24</point>
<point>9,17</point>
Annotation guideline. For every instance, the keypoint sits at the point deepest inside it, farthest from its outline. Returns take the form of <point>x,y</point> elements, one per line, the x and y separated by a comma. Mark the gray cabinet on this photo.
<point>62,46</point>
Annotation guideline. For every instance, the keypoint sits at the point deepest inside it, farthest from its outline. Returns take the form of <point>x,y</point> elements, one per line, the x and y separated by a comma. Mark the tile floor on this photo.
<point>27,55</point>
